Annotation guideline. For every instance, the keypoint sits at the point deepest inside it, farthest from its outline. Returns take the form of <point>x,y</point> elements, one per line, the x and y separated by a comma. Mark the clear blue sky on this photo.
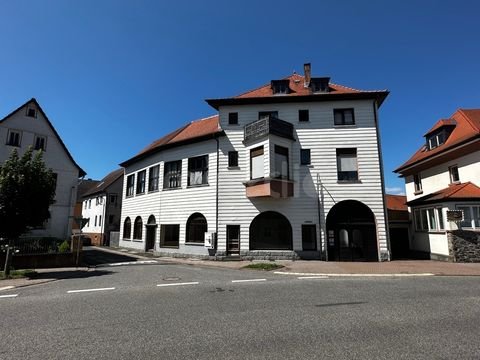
<point>115,75</point>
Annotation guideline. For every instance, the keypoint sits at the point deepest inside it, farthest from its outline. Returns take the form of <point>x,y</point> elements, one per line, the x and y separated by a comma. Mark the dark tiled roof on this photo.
<point>84,185</point>
<point>466,127</point>
<point>195,131</point>
<point>34,101</point>
<point>456,192</point>
<point>298,91</point>
<point>104,183</point>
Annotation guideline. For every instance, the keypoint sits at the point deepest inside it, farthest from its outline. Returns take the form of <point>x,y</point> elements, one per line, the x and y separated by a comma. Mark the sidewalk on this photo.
<point>311,267</point>
<point>44,276</point>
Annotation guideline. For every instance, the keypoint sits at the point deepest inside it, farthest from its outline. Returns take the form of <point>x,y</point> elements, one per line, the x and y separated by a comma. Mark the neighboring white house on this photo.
<point>29,126</point>
<point>281,171</point>
<point>444,174</point>
<point>102,205</point>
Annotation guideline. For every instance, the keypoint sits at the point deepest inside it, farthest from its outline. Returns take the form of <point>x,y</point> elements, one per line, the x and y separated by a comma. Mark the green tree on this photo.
<point>27,189</point>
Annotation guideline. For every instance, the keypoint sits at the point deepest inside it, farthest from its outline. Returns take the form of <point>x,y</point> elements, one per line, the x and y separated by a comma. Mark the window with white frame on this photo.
<point>198,170</point>
<point>347,165</point>
<point>471,216</point>
<point>417,181</point>
<point>141,178</point>
<point>429,219</point>
<point>130,185</point>
<point>172,175</point>
<point>14,137</point>
<point>256,163</point>
<point>153,176</point>
<point>454,177</point>
<point>280,170</point>
<point>40,142</point>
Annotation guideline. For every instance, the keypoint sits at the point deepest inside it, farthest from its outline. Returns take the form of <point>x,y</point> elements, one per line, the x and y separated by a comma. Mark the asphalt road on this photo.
<point>205,313</point>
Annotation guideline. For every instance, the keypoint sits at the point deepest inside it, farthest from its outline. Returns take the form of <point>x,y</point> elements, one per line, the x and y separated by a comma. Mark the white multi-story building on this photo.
<point>292,168</point>
<point>444,175</point>
<point>29,126</point>
<point>101,206</point>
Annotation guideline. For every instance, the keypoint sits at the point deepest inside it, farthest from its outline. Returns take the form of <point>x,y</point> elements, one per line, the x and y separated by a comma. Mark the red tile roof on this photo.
<point>298,91</point>
<point>456,192</point>
<point>466,128</point>
<point>396,202</point>
<point>196,130</point>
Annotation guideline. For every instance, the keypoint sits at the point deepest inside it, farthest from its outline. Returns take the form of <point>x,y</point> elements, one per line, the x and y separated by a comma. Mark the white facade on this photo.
<point>429,234</point>
<point>93,208</point>
<point>316,187</point>
<point>55,156</point>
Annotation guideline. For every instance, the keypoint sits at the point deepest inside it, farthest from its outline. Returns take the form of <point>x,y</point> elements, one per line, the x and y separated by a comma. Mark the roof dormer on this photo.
<point>439,134</point>
<point>320,84</point>
<point>280,86</point>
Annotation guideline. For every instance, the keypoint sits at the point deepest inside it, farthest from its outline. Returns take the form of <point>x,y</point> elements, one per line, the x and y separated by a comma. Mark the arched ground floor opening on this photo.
<point>270,230</point>
<point>351,232</point>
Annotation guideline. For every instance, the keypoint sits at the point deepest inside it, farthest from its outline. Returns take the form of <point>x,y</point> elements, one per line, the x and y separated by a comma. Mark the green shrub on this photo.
<point>263,266</point>
<point>64,247</point>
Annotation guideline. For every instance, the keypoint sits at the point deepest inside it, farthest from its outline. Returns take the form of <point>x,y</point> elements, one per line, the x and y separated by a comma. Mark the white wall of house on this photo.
<point>172,206</point>
<point>434,179</point>
<point>322,138</point>
<point>438,177</point>
<point>55,157</point>
<point>93,208</point>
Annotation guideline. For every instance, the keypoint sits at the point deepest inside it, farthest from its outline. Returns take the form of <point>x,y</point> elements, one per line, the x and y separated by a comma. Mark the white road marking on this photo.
<point>179,284</point>
<point>248,280</point>
<point>140,262</point>
<point>312,277</point>
<point>6,288</point>
<point>87,290</point>
<point>8,296</point>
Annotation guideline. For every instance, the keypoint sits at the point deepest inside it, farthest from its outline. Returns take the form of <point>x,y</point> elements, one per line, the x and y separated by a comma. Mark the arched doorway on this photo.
<point>351,232</point>
<point>270,231</point>
<point>196,228</point>
<point>151,233</point>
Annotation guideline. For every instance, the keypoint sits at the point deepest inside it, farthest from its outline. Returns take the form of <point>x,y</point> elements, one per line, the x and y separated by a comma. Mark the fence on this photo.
<point>34,246</point>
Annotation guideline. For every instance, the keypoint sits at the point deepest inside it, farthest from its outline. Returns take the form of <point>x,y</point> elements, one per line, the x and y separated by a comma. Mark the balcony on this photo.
<point>275,188</point>
<point>266,126</point>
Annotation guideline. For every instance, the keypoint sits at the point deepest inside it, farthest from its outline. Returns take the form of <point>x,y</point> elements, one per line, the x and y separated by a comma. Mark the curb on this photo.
<point>353,275</point>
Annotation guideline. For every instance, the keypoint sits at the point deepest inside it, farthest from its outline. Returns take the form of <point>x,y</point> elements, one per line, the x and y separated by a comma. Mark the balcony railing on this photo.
<point>268,125</point>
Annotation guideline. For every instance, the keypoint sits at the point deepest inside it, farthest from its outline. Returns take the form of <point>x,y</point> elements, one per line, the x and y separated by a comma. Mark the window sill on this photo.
<point>349,181</point>
<point>152,191</point>
<point>137,240</point>
<point>196,186</point>
<point>234,124</point>
<point>172,188</point>
<point>455,183</point>
<point>194,244</point>
<point>169,247</point>
<point>127,239</point>
<point>138,194</point>
<point>233,167</point>
<point>349,126</point>
<point>127,197</point>
<point>307,165</point>
<point>13,145</point>
<point>419,192</point>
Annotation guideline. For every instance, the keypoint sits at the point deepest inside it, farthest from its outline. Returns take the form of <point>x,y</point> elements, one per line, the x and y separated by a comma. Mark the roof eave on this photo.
<point>379,96</point>
<point>171,145</point>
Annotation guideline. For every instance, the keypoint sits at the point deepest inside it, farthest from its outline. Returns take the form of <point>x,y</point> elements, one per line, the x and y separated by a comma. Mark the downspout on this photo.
<point>216,190</point>
<point>319,205</point>
<point>385,214</point>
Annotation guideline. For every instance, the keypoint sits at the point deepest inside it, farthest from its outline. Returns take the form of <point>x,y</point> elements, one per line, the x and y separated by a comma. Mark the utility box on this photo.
<point>210,238</point>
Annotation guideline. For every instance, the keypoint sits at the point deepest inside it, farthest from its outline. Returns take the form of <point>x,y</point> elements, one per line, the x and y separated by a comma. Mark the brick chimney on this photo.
<point>308,74</point>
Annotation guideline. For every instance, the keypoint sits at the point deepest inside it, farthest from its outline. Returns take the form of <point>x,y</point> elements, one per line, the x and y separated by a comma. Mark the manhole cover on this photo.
<point>171,278</point>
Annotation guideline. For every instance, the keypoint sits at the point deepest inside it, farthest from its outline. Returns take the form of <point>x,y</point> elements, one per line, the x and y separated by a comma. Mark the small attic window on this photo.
<point>320,84</point>
<point>31,112</point>
<point>438,138</point>
<point>280,86</point>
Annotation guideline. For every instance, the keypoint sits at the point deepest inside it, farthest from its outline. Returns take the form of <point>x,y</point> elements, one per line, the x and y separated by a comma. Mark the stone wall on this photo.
<point>464,245</point>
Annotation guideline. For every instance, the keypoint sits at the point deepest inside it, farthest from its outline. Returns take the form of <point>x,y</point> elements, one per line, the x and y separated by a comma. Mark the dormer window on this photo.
<point>319,84</point>
<point>439,135</point>
<point>280,86</point>
<point>267,114</point>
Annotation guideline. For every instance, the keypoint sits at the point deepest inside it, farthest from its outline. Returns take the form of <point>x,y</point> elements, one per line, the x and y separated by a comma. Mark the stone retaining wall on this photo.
<point>464,245</point>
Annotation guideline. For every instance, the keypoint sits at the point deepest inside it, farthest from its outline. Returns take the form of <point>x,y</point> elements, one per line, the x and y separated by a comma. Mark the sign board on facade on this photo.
<point>454,215</point>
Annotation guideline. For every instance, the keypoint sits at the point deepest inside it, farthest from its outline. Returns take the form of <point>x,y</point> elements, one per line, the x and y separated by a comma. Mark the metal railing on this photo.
<point>268,125</point>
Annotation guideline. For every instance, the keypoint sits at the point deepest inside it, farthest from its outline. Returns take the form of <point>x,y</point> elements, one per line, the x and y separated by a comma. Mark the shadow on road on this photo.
<point>94,257</point>
<point>69,274</point>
